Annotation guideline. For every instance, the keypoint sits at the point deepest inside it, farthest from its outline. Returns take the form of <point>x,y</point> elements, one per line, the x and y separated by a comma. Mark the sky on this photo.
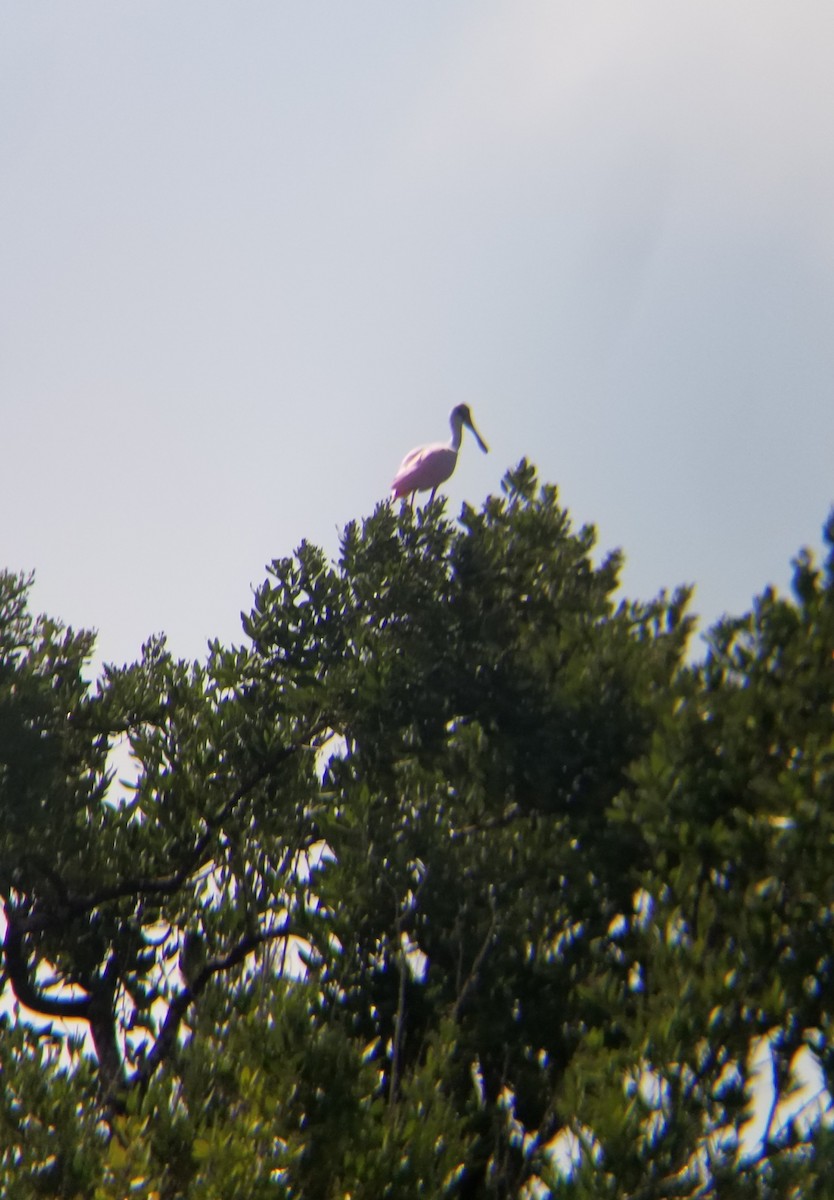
<point>251,254</point>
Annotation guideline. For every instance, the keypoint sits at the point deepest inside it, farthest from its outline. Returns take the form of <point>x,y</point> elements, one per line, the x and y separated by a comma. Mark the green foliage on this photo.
<point>454,880</point>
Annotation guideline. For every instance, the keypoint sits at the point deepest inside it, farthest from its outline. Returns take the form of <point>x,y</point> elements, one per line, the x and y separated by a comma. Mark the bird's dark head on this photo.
<point>462,416</point>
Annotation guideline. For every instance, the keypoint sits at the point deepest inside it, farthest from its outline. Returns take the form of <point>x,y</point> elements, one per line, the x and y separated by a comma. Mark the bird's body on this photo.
<point>427,467</point>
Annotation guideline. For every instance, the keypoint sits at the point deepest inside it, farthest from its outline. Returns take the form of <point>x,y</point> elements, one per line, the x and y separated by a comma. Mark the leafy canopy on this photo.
<point>454,879</point>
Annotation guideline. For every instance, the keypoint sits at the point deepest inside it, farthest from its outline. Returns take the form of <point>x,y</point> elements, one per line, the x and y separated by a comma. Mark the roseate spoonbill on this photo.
<point>429,466</point>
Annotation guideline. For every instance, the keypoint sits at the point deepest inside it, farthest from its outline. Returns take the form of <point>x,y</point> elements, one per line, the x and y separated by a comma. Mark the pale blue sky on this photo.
<point>251,253</point>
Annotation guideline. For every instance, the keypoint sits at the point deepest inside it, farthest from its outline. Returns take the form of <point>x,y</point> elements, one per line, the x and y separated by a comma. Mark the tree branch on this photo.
<point>102,1022</point>
<point>25,990</point>
<point>508,817</point>
<point>179,1006</point>
<point>165,884</point>
<point>471,978</point>
<point>398,1028</point>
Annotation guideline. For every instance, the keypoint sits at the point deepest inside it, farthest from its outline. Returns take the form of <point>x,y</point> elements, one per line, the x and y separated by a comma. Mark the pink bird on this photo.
<point>429,466</point>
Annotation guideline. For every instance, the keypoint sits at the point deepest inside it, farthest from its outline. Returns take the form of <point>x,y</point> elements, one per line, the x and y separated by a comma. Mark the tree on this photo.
<point>454,874</point>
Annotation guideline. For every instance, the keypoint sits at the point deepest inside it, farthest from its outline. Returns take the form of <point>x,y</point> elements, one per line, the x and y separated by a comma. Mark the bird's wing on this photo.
<point>411,460</point>
<point>423,468</point>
